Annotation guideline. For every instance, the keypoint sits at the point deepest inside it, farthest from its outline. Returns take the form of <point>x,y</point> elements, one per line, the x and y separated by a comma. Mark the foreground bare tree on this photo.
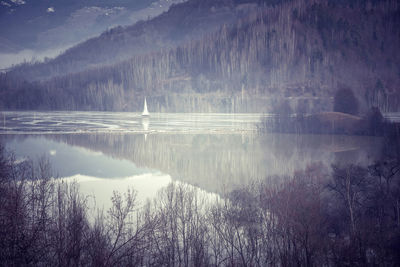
<point>313,218</point>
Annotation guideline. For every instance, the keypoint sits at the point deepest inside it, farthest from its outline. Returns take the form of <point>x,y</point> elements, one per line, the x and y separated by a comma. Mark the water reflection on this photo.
<point>70,160</point>
<point>145,123</point>
<point>100,190</point>
<point>214,162</point>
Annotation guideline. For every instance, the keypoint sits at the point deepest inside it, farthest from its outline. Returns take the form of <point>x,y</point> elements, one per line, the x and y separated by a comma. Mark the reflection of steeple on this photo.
<point>145,123</point>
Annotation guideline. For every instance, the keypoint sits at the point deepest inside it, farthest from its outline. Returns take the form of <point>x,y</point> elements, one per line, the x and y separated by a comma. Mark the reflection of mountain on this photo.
<point>214,162</point>
<point>69,160</point>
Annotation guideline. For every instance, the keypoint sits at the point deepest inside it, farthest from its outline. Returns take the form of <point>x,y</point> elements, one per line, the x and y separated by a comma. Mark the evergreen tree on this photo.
<point>345,101</point>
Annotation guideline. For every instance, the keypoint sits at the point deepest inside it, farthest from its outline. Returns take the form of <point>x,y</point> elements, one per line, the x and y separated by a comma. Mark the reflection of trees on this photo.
<point>214,162</point>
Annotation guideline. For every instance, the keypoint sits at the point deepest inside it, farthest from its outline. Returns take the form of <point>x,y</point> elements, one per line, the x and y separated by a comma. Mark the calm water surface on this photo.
<point>216,152</point>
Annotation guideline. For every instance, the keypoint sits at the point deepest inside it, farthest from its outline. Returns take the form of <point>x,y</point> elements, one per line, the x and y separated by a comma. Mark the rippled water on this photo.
<point>125,122</point>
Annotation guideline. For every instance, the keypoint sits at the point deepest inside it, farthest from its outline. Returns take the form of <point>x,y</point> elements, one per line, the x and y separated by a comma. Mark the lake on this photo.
<point>106,151</point>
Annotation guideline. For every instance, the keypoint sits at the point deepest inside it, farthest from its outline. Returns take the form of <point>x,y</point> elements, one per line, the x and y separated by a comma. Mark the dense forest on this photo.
<point>296,51</point>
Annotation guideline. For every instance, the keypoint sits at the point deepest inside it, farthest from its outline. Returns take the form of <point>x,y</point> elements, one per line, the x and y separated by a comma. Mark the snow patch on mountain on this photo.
<point>18,2</point>
<point>153,10</point>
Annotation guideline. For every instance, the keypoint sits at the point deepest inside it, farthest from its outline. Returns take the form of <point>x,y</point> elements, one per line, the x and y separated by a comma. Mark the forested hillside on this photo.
<point>183,22</point>
<point>296,52</point>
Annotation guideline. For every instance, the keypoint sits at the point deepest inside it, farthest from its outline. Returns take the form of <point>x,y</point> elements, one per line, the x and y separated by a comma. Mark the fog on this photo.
<point>7,60</point>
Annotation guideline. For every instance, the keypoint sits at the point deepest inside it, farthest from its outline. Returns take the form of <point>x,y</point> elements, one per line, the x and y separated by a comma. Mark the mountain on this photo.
<point>39,26</point>
<point>295,52</point>
<point>6,46</point>
<point>183,22</point>
<point>36,24</point>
